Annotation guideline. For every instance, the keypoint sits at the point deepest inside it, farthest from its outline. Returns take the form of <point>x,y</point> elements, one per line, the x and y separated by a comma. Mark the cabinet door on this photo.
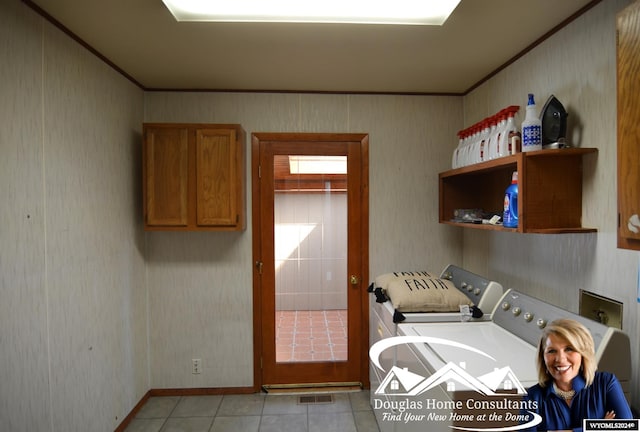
<point>628,67</point>
<point>218,183</point>
<point>166,176</point>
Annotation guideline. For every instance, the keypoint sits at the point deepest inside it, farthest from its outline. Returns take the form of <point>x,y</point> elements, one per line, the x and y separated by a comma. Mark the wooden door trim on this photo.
<point>256,138</point>
<point>364,231</point>
<point>256,252</point>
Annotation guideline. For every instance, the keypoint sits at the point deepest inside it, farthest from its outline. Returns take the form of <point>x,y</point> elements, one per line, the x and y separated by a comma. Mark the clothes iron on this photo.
<point>554,124</point>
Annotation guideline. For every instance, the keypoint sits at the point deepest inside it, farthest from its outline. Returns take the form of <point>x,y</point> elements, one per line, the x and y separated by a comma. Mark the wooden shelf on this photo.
<point>549,191</point>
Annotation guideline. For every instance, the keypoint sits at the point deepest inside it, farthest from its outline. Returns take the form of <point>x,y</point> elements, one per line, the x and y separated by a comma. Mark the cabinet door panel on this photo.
<point>166,158</point>
<point>628,68</point>
<point>217,156</point>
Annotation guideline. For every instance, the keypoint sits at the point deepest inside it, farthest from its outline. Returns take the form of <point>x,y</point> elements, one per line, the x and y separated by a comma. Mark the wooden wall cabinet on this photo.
<point>628,74</point>
<point>193,177</point>
<point>549,190</point>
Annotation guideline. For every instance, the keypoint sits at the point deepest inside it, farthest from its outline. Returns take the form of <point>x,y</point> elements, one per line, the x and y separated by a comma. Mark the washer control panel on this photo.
<point>526,317</point>
<point>473,285</point>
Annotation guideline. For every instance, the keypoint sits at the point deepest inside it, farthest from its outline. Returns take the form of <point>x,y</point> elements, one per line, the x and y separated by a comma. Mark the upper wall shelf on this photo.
<point>549,190</point>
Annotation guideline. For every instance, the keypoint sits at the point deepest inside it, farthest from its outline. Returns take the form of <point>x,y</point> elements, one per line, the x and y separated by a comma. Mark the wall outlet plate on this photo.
<point>196,366</point>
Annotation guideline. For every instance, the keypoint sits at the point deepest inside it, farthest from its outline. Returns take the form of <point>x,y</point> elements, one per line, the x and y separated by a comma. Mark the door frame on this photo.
<point>256,138</point>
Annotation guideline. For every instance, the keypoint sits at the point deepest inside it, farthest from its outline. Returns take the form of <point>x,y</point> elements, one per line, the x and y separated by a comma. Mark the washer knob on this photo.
<point>447,275</point>
<point>469,287</point>
<point>541,323</point>
<point>477,291</point>
<point>463,285</point>
<point>528,316</point>
<point>505,306</point>
<point>516,311</point>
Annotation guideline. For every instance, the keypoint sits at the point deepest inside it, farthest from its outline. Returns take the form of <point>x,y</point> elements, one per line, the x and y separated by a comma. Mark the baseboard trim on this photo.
<point>204,391</point>
<point>181,392</point>
<point>123,425</point>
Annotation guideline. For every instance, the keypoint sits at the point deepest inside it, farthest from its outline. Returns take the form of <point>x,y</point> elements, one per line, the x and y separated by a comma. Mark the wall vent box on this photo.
<point>601,309</point>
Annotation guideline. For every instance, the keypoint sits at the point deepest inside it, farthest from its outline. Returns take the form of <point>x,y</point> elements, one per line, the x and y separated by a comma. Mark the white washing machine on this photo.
<point>484,293</point>
<point>439,367</point>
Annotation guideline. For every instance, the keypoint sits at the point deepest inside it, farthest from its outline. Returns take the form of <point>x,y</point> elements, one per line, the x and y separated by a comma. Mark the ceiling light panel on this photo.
<point>398,12</point>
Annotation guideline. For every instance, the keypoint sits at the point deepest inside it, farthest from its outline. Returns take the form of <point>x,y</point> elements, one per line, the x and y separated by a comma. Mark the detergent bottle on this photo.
<point>510,216</point>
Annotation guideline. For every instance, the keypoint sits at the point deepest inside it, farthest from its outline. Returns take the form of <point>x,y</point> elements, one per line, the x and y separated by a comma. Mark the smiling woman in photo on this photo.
<point>569,389</point>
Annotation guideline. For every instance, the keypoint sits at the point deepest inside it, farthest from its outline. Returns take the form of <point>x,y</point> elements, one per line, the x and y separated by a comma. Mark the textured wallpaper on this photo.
<point>24,372</point>
<point>578,66</point>
<point>73,323</point>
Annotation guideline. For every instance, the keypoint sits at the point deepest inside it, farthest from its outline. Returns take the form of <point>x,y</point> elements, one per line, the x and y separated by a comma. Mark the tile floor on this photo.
<point>311,335</point>
<point>349,412</point>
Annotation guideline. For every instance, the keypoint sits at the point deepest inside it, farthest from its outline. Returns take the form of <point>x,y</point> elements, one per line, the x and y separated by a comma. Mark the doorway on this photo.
<point>310,250</point>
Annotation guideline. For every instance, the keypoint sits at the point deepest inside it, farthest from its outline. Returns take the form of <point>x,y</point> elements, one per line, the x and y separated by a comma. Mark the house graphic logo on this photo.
<point>401,382</point>
<point>497,388</point>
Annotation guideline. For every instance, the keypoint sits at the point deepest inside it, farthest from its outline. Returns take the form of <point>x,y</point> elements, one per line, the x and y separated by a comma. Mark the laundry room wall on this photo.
<point>73,325</point>
<point>577,65</point>
<point>200,284</point>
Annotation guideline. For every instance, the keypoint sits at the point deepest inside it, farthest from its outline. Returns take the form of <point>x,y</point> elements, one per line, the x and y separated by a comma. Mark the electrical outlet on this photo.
<point>196,366</point>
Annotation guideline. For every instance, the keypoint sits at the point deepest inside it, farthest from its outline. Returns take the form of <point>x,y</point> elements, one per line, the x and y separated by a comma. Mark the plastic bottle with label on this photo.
<point>455,157</point>
<point>510,215</point>
<point>486,132</point>
<point>499,134</point>
<point>531,128</point>
<point>512,134</point>
<point>484,141</point>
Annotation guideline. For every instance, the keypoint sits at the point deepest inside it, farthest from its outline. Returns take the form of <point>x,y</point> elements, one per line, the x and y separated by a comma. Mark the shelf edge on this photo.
<point>487,227</point>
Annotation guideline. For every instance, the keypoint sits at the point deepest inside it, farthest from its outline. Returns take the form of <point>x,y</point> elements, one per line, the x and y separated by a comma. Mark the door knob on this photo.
<point>355,280</point>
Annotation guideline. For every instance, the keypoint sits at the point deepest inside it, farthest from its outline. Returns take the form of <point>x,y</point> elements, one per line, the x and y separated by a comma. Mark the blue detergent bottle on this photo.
<point>510,216</point>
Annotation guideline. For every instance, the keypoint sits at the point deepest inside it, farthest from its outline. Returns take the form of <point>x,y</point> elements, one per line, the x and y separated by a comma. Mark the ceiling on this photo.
<point>143,40</point>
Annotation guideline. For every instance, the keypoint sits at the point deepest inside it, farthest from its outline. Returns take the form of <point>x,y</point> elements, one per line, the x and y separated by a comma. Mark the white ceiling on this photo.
<point>142,39</point>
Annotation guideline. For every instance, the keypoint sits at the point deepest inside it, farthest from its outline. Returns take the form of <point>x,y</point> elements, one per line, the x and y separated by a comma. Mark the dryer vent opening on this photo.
<point>601,309</point>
